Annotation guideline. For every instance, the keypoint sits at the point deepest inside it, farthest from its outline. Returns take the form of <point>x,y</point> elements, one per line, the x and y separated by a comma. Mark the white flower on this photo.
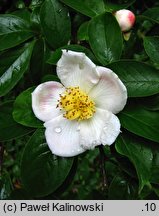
<point>125,18</point>
<point>79,113</point>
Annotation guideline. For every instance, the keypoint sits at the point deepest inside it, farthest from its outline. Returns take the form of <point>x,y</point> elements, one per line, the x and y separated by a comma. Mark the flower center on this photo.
<point>77,104</point>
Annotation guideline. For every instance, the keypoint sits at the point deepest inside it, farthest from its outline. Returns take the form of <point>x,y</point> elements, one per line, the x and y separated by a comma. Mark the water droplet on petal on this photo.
<point>81,66</point>
<point>95,143</point>
<point>58,130</point>
<point>73,151</point>
<point>94,81</point>
<point>82,141</point>
<point>78,128</point>
<point>105,128</point>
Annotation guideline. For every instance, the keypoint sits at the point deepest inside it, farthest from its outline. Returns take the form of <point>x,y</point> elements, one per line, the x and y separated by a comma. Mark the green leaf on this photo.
<point>23,113</point>
<point>156,190</point>
<point>8,57</point>
<point>152,14</point>
<point>54,57</point>
<point>41,171</point>
<point>155,166</point>
<point>19,194</point>
<point>16,70</point>
<point>82,33</point>
<point>55,23</point>
<point>151,45</point>
<point>151,103</point>
<point>111,5</point>
<point>13,31</point>
<point>23,14</point>
<point>105,38</point>
<point>139,153</point>
<point>136,119</point>
<point>50,77</point>
<point>126,187</point>
<point>140,79</point>
<point>9,129</point>
<point>35,3</point>
<point>89,8</point>
<point>37,70</point>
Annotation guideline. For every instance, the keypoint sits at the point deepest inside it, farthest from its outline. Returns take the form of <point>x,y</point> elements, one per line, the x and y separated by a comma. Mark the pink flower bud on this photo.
<point>125,19</point>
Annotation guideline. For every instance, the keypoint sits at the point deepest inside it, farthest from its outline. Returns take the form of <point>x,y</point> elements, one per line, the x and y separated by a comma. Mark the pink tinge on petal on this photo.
<point>45,99</point>
<point>131,18</point>
<point>125,18</point>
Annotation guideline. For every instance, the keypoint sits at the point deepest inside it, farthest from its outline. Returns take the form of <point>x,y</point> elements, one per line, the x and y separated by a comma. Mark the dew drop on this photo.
<point>94,81</point>
<point>78,128</point>
<point>73,151</point>
<point>81,66</point>
<point>105,129</point>
<point>58,130</point>
<point>95,143</point>
<point>82,142</point>
<point>59,11</point>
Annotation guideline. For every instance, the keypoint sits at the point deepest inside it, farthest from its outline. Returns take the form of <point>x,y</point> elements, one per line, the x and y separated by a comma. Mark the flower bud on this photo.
<point>125,19</point>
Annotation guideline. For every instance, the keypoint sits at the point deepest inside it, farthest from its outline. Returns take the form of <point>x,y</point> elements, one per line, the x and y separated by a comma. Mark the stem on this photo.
<point>103,170</point>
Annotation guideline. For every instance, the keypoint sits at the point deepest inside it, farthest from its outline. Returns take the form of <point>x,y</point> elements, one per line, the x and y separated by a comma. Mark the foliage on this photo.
<point>32,35</point>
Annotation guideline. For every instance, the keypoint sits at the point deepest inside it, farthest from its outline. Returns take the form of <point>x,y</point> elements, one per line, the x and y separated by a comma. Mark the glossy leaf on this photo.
<point>54,57</point>
<point>139,78</point>
<point>127,188</point>
<point>151,45</point>
<point>139,153</point>
<point>151,103</point>
<point>37,61</point>
<point>55,23</point>
<point>114,5</point>
<point>8,57</point>
<point>152,14</point>
<point>50,77</point>
<point>136,119</point>
<point>42,172</point>
<point>143,154</point>
<point>82,33</point>
<point>105,38</point>
<point>15,71</point>
<point>23,113</point>
<point>19,194</point>
<point>13,31</point>
<point>155,166</point>
<point>89,8</point>
<point>35,3</point>
<point>9,129</point>
<point>23,14</point>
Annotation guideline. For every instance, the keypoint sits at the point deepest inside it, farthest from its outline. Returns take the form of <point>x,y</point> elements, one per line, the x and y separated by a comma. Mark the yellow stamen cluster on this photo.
<point>77,104</point>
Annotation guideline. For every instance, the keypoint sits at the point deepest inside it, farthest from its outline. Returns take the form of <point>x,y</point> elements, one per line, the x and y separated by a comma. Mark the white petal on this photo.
<point>110,130</point>
<point>102,128</point>
<point>76,69</point>
<point>109,93</point>
<point>62,136</point>
<point>45,99</point>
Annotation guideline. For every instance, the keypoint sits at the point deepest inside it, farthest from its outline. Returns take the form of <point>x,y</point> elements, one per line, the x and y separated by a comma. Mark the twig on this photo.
<point>103,170</point>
